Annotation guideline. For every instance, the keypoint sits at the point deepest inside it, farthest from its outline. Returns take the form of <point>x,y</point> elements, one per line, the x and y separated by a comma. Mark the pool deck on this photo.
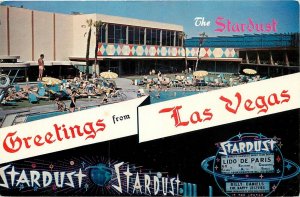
<point>123,83</point>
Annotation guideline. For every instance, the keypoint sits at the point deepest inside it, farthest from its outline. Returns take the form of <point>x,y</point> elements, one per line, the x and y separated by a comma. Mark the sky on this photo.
<point>273,16</point>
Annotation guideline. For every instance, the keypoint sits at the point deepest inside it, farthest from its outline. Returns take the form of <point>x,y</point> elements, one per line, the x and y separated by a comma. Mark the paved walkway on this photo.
<point>127,87</point>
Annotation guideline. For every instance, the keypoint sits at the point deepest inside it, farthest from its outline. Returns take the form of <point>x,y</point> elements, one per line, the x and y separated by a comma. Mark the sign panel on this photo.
<point>253,187</point>
<point>249,163</point>
<point>69,131</point>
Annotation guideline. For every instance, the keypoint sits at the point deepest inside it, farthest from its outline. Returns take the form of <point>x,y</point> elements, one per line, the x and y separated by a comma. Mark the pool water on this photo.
<point>34,117</point>
<point>168,95</point>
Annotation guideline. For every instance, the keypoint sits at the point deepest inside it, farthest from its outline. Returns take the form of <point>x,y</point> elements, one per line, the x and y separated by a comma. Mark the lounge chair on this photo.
<point>225,81</point>
<point>17,88</point>
<point>9,103</point>
<point>32,98</point>
<point>42,93</point>
<point>54,88</point>
<point>40,85</point>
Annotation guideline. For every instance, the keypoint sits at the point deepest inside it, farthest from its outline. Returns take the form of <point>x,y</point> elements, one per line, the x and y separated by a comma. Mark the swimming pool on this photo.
<point>164,96</point>
<point>168,95</point>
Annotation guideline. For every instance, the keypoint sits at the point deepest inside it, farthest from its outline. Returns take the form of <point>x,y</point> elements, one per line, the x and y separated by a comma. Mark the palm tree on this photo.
<point>201,39</point>
<point>183,36</point>
<point>89,23</point>
<point>97,25</point>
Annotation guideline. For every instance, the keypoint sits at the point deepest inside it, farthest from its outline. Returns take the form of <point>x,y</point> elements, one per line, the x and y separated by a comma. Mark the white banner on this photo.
<point>69,131</point>
<point>219,107</point>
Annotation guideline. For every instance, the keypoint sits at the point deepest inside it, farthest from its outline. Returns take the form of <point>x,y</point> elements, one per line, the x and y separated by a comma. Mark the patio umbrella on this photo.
<point>200,73</point>
<point>50,81</point>
<point>109,75</point>
<point>249,71</point>
<point>178,77</point>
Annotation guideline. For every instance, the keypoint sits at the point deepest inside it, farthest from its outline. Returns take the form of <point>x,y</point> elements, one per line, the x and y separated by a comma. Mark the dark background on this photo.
<point>183,154</point>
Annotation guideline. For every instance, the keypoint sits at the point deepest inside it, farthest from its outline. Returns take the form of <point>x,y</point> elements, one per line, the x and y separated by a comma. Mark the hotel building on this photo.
<point>124,45</point>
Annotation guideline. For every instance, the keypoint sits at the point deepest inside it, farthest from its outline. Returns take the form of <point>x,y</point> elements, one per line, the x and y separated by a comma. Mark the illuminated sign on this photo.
<point>103,177</point>
<point>250,163</point>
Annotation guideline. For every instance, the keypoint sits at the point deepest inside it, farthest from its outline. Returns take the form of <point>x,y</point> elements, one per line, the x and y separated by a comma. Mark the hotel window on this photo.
<point>164,38</point>
<point>118,38</point>
<point>102,34</point>
<point>142,33</point>
<point>130,35</point>
<point>172,38</point>
<point>123,34</point>
<point>168,38</point>
<point>111,33</point>
<point>155,38</point>
<point>148,36</point>
<point>137,35</point>
<point>178,40</point>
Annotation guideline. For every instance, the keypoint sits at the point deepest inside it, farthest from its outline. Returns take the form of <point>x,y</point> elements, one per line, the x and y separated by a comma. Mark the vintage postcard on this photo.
<point>149,98</point>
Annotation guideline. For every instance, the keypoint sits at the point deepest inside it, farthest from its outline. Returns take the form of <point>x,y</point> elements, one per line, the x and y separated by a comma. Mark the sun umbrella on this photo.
<point>200,73</point>
<point>50,81</point>
<point>109,75</point>
<point>178,77</point>
<point>249,71</point>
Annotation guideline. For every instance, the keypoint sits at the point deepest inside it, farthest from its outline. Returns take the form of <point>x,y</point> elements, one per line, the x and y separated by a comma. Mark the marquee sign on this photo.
<point>251,164</point>
<point>80,174</point>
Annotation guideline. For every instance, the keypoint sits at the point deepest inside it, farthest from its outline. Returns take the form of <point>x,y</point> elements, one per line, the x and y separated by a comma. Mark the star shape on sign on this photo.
<point>260,135</point>
<point>33,165</point>
<point>35,188</point>
<point>239,135</point>
<point>218,160</point>
<point>280,144</point>
<point>216,167</point>
<point>86,186</point>
<point>21,187</point>
<point>288,166</point>
<point>278,159</point>
<point>261,176</point>
<point>274,187</point>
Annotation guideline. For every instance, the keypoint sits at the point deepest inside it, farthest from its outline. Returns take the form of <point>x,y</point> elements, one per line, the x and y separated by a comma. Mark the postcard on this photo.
<point>149,98</point>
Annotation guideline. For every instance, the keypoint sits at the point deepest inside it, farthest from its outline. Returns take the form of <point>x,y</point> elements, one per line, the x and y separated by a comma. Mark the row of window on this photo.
<point>245,41</point>
<point>139,35</point>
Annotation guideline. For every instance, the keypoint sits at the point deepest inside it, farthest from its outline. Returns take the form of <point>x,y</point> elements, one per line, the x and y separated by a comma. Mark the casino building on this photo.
<point>270,54</point>
<point>123,45</point>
